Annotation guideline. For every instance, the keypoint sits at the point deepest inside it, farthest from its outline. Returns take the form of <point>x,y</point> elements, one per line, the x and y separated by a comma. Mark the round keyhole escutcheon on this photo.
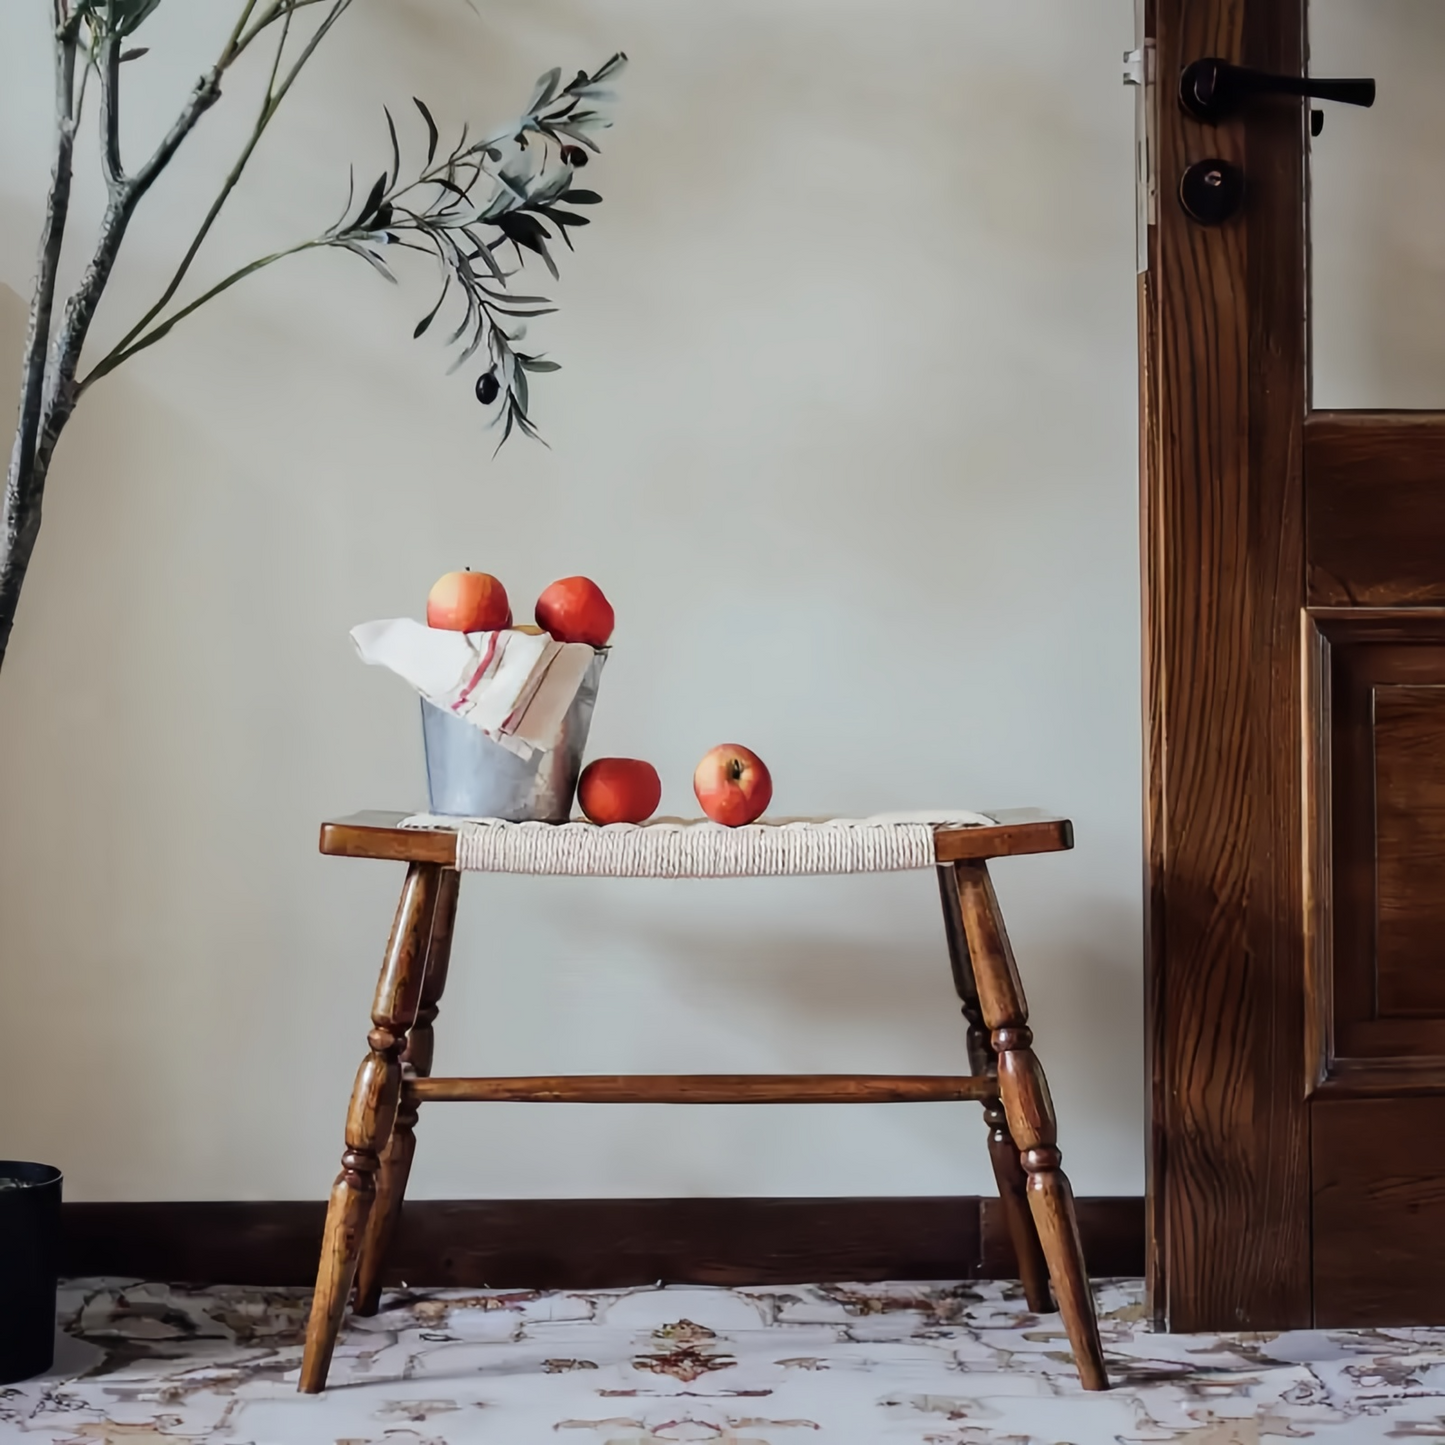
<point>1211,191</point>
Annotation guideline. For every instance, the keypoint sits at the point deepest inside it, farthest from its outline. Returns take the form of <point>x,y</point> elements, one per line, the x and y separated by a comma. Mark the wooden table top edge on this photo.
<point>376,834</point>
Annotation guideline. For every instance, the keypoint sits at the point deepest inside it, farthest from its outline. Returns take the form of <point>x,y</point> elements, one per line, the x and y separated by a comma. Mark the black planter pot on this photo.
<point>29,1263</point>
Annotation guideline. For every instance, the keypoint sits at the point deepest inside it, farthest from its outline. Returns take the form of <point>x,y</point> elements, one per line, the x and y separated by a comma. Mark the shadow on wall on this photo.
<point>101,766</point>
<point>89,591</point>
<point>715,988</point>
<point>894,1003</point>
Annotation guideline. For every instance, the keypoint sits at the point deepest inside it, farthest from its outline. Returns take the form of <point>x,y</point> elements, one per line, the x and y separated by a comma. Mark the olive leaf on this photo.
<point>478,211</point>
<point>115,17</point>
<point>470,209</point>
<point>432,133</point>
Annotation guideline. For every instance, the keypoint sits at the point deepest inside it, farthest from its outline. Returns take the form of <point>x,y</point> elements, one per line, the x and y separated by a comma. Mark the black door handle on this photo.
<point>1212,89</point>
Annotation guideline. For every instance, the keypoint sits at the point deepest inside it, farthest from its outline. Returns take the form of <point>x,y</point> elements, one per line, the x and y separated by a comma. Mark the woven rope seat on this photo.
<point>696,848</point>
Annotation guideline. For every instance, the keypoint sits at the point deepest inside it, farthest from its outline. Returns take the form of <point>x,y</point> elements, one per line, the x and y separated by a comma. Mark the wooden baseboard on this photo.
<point>592,1243</point>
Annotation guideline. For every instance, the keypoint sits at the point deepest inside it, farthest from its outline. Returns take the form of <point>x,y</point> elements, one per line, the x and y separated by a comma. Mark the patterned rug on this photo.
<point>945,1364</point>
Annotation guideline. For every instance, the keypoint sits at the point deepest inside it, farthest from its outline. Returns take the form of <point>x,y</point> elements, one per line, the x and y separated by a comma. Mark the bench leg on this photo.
<point>1002,1151</point>
<point>1030,1113</point>
<point>369,1120</point>
<point>416,1059</point>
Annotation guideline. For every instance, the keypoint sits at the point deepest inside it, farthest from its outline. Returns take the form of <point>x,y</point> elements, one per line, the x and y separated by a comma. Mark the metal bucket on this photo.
<point>467,774</point>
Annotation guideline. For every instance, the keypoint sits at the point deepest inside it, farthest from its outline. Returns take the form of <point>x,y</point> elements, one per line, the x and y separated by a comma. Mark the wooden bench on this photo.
<point>394,1079</point>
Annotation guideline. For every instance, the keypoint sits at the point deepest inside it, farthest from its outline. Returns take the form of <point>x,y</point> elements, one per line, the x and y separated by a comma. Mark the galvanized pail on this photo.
<point>467,774</point>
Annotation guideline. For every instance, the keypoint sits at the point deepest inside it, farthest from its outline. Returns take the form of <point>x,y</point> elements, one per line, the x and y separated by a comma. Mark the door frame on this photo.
<point>1223,381</point>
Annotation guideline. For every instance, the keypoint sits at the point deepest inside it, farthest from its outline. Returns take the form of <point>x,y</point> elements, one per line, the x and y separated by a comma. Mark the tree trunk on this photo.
<point>49,390</point>
<point>24,479</point>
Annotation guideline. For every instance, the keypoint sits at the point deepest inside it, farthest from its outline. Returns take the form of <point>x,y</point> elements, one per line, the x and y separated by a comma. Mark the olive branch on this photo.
<point>484,203</point>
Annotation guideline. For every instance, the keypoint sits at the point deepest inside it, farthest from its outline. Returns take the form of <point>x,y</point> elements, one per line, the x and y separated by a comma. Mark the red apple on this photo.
<point>468,602</point>
<point>574,610</point>
<point>619,790</point>
<point>733,785</point>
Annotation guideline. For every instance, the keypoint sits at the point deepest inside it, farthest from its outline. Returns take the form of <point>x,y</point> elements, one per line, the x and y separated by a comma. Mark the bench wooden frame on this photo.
<point>394,1079</point>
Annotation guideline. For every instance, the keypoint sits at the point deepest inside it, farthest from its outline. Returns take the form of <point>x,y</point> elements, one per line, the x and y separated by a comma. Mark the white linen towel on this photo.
<point>515,686</point>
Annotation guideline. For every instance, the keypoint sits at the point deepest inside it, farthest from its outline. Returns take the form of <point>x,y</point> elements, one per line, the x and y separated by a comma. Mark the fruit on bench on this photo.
<point>619,790</point>
<point>574,610</point>
<point>468,602</point>
<point>733,785</point>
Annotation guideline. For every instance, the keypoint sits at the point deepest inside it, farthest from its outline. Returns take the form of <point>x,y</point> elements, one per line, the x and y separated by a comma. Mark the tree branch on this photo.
<point>206,93</point>
<point>24,486</point>
<point>49,388</point>
<point>116,357</point>
<point>231,50</point>
<point>275,94</point>
<point>268,109</point>
<point>270,16</point>
<point>61,390</point>
<point>84,83</point>
<point>109,64</point>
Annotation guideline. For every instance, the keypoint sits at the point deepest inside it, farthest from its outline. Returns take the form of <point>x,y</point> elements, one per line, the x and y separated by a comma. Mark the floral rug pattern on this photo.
<point>928,1364</point>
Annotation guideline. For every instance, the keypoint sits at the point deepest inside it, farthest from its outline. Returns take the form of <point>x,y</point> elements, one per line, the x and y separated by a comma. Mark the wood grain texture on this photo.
<point>1152,682</point>
<point>1374,484</point>
<point>1029,1111</point>
<point>1316,738</point>
<point>416,1061</point>
<point>1003,1151</point>
<point>375,1097</point>
<point>375,834</point>
<point>1379,1212</point>
<point>1224,390</point>
<point>1030,1264</point>
<point>589,1243</point>
<point>702,1089</point>
<point>346,1215</point>
<point>1007,840</point>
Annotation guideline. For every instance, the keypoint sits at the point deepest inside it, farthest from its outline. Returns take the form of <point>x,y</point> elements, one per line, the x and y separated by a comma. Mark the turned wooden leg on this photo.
<point>369,1120</point>
<point>1030,1112</point>
<point>1002,1151</point>
<point>416,1061</point>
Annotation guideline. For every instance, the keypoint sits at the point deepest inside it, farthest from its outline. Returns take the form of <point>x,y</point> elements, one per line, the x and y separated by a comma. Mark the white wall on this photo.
<point>847,431</point>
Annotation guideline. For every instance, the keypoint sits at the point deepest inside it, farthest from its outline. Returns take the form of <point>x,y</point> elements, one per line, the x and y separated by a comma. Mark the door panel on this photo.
<point>1379,1199</point>
<point>1409,735</point>
<point>1375,511</point>
<point>1379,797</point>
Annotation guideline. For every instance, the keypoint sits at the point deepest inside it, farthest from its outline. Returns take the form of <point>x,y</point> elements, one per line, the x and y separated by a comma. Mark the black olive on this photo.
<point>574,156</point>
<point>488,387</point>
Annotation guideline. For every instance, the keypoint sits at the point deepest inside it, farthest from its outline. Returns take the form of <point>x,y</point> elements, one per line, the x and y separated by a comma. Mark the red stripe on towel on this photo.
<point>477,675</point>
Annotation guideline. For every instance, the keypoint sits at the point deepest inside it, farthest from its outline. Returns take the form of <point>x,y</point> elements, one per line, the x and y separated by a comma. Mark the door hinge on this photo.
<point>1139,65</point>
<point>1139,71</point>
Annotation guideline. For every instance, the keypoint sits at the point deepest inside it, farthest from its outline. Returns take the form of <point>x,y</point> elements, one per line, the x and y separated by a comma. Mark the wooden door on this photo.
<point>1294,598</point>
